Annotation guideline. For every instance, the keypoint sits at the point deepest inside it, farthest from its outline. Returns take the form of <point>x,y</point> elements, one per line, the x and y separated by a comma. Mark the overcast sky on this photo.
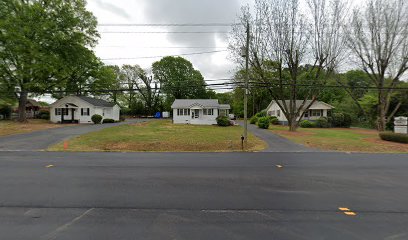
<point>136,45</point>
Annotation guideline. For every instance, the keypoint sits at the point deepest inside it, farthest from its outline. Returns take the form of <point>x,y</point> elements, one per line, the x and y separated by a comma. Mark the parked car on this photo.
<point>231,116</point>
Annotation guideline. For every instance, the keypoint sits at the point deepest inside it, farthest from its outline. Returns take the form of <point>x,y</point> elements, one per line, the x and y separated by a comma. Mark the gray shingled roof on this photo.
<point>225,106</point>
<point>299,102</point>
<point>187,103</point>
<point>97,102</point>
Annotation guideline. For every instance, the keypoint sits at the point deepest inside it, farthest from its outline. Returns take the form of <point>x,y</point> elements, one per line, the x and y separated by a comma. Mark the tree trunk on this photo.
<point>382,113</point>
<point>292,124</point>
<point>22,101</point>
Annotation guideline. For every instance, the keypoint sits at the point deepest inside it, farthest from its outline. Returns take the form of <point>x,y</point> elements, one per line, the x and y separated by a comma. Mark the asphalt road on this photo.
<point>275,142</point>
<point>202,196</point>
<point>40,140</point>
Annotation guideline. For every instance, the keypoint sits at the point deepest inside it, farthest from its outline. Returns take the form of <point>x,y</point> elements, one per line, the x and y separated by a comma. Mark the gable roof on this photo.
<point>33,103</point>
<point>96,102</point>
<point>188,103</point>
<point>299,102</point>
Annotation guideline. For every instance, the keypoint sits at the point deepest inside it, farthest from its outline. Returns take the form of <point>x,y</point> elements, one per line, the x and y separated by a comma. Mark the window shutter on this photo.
<point>56,112</point>
<point>82,112</point>
<point>87,112</point>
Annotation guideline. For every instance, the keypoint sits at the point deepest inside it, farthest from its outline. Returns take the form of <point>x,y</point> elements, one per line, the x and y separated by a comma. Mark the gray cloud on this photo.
<point>188,11</point>
<point>107,6</point>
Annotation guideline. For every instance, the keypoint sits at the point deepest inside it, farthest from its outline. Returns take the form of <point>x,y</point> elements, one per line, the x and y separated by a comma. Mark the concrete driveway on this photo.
<point>40,140</point>
<point>275,142</point>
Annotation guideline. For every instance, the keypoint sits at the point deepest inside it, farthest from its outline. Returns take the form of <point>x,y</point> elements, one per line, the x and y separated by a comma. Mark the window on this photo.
<point>273,113</point>
<point>85,112</point>
<point>306,114</point>
<point>278,113</point>
<point>315,112</point>
<point>59,111</point>
<point>208,111</point>
<point>183,112</point>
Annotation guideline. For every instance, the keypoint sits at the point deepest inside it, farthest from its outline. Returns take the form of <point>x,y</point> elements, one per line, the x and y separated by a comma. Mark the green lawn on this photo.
<point>162,135</point>
<point>341,139</point>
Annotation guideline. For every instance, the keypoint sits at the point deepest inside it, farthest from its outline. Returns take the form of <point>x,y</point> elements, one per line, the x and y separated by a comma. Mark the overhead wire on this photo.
<point>173,55</point>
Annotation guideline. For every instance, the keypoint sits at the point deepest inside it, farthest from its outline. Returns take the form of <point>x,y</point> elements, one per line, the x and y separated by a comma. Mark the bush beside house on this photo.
<point>342,120</point>
<point>5,111</point>
<point>322,122</point>
<point>273,120</point>
<point>253,120</point>
<point>263,122</point>
<point>223,121</point>
<point>307,124</point>
<point>108,120</point>
<point>96,118</point>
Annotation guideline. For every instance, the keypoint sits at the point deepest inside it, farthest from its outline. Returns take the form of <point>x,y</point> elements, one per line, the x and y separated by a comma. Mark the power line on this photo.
<point>182,54</point>
<point>164,47</point>
<point>167,24</point>
<point>163,32</point>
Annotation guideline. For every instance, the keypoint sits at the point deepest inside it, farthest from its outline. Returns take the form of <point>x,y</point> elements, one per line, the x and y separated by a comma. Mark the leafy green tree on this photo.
<point>178,78</point>
<point>37,41</point>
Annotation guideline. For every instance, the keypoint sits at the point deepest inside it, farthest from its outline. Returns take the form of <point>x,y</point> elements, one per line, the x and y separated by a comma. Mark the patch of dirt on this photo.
<point>387,145</point>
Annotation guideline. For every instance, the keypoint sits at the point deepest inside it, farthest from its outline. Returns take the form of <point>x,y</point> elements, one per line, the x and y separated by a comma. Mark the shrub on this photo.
<point>307,124</point>
<point>96,118</point>
<point>108,120</point>
<point>253,120</point>
<point>263,122</point>
<point>273,120</point>
<point>6,111</point>
<point>223,121</point>
<point>322,122</point>
<point>261,114</point>
<point>347,120</point>
<point>394,137</point>
<point>341,120</point>
<point>44,115</point>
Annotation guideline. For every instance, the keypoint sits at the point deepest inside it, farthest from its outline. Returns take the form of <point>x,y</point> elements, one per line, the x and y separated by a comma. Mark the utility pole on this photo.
<point>246,87</point>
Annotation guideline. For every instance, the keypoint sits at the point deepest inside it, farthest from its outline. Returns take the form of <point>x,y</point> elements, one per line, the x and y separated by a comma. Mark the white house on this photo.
<point>317,110</point>
<point>79,109</point>
<point>198,111</point>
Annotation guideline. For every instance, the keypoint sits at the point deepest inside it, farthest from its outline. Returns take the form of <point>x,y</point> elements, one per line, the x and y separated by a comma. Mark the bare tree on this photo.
<point>289,49</point>
<point>135,79</point>
<point>378,37</point>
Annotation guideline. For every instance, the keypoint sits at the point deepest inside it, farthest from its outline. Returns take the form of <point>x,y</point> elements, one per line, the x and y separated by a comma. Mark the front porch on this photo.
<point>68,114</point>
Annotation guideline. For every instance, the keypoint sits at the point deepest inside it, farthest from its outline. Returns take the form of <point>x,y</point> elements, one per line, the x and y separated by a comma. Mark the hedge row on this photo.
<point>394,137</point>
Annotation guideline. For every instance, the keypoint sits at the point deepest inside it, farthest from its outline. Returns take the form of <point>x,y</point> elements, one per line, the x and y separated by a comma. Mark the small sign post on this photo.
<point>401,125</point>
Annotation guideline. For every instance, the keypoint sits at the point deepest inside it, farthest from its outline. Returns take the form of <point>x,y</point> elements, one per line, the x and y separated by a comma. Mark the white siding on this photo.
<point>201,120</point>
<point>316,106</point>
<point>77,114</point>
<point>112,112</point>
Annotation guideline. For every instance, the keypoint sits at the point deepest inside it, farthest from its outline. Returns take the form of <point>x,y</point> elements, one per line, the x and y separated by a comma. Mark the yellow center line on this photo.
<point>350,213</point>
<point>279,166</point>
<point>49,166</point>
<point>344,209</point>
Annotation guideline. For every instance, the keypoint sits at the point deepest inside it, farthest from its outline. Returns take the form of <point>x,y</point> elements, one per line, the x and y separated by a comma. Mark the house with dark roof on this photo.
<point>198,111</point>
<point>80,109</point>
<point>32,108</point>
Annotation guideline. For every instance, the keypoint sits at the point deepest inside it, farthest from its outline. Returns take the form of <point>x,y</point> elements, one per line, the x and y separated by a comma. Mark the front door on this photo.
<point>196,113</point>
